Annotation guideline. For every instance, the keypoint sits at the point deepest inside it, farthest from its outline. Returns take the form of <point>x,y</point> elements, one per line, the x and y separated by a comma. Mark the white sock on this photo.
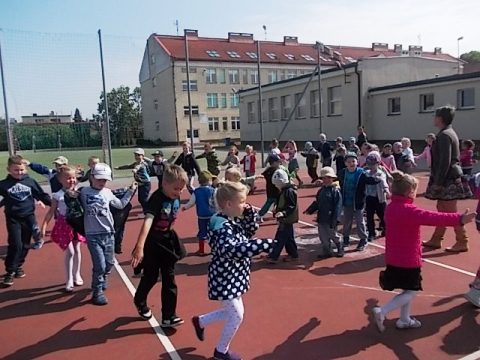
<point>402,301</point>
<point>69,254</point>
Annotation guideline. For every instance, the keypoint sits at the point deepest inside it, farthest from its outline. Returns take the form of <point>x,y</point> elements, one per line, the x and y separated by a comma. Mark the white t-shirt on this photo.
<point>59,198</point>
<point>246,165</point>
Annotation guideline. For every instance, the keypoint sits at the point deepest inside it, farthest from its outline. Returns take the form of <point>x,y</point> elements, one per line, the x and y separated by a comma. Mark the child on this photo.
<point>427,150</point>
<point>325,150</point>
<point>328,206</point>
<point>271,189</point>
<point>50,174</point>
<point>338,144</point>
<point>203,198</point>
<point>407,156</point>
<point>274,150</point>
<point>403,252</point>
<point>188,163</point>
<point>85,176</point>
<point>473,295</point>
<point>364,150</point>
<point>388,161</point>
<point>62,233</point>
<point>229,270</point>
<point>232,159</point>
<point>286,213</point>
<point>120,217</point>
<point>234,175</point>
<point>249,161</point>
<point>352,146</point>
<point>340,158</point>
<point>157,166</point>
<point>293,167</point>
<point>141,174</point>
<point>376,195</point>
<point>397,154</point>
<point>466,157</point>
<point>19,192</point>
<point>99,227</point>
<point>213,164</point>
<point>158,247</point>
<point>312,160</point>
<point>352,183</point>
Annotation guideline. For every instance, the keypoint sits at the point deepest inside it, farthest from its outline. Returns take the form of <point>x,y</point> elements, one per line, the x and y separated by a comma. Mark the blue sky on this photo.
<point>50,47</point>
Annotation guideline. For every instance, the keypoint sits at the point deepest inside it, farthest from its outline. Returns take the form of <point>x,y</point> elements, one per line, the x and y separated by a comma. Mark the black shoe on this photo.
<point>8,279</point>
<point>19,273</point>
<point>174,321</point>
<point>340,252</point>
<point>217,355</point>
<point>144,311</point>
<point>99,300</point>
<point>198,329</point>
<point>324,256</point>
<point>118,249</point>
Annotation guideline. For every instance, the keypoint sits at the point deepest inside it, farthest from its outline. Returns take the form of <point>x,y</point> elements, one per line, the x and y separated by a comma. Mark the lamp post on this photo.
<point>319,46</point>
<point>187,64</point>
<point>458,52</point>
<point>260,106</point>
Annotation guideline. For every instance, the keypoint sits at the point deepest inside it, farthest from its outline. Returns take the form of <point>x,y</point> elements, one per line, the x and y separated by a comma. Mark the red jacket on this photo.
<point>403,220</point>
<point>253,159</point>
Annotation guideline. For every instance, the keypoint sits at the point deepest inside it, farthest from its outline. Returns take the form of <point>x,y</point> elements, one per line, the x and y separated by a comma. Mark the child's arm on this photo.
<point>338,207</point>
<point>48,216</point>
<point>312,208</point>
<point>121,203</point>
<point>191,202</point>
<point>40,169</point>
<point>39,194</point>
<point>84,177</point>
<point>202,155</point>
<point>290,205</point>
<point>137,253</point>
<point>179,160</point>
<point>243,160</point>
<point>249,221</point>
<point>434,218</point>
<point>196,166</point>
<point>171,159</point>
<point>126,167</point>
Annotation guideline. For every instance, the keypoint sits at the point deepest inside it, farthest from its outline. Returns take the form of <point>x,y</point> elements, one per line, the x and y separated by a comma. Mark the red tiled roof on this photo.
<point>198,47</point>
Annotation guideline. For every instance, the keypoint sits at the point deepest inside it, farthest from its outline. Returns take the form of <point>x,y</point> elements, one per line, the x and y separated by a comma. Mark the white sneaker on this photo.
<point>379,318</point>
<point>260,220</point>
<point>410,324</point>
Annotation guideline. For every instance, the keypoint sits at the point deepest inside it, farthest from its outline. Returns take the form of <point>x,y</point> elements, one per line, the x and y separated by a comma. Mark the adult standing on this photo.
<point>445,183</point>
<point>362,136</point>
<point>325,150</point>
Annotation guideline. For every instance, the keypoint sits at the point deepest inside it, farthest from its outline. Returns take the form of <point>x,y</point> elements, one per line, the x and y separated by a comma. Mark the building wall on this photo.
<point>60,119</point>
<point>413,123</point>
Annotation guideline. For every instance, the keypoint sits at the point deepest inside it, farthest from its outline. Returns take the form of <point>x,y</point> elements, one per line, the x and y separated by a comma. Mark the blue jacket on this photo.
<point>50,174</point>
<point>360,183</point>
<point>204,201</point>
<point>327,205</point>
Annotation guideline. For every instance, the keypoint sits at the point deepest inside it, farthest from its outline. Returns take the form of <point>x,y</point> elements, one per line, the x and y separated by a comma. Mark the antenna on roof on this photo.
<point>176,25</point>
<point>265,31</point>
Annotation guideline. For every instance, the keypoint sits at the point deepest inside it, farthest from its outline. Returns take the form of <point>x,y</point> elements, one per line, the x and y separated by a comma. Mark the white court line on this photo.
<point>167,344</point>
<point>472,356</point>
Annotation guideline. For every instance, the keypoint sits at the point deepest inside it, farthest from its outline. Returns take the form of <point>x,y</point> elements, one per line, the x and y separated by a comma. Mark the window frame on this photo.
<point>285,106</point>
<point>212,100</point>
<point>214,123</point>
<point>333,100</point>
<point>232,78</point>
<point>391,103</point>
<point>461,99</point>
<point>211,76</point>
<point>301,110</point>
<point>423,103</point>
<point>235,123</point>
<point>314,104</point>
<point>273,110</point>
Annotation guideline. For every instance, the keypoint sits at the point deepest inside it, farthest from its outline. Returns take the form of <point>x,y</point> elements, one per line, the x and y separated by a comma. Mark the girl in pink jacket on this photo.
<point>403,248</point>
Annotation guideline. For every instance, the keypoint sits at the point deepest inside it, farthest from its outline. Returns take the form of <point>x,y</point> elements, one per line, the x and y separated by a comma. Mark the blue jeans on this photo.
<point>268,204</point>
<point>143,192</point>
<point>203,229</point>
<point>349,214</point>
<point>101,250</point>
<point>285,237</point>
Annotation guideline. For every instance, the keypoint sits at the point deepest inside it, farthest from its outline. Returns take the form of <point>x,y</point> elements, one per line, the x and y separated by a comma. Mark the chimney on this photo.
<point>437,51</point>
<point>290,40</point>
<point>240,37</point>
<point>191,34</point>
<point>328,50</point>
<point>415,50</point>
<point>338,56</point>
<point>397,48</point>
<point>379,47</point>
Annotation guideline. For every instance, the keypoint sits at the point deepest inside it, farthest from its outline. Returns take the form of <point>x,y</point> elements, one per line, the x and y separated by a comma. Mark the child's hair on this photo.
<point>65,169</point>
<point>93,158</point>
<point>235,173</point>
<point>367,147</point>
<point>446,113</point>
<point>403,184</point>
<point>431,136</point>
<point>234,149</point>
<point>274,142</point>
<point>173,173</point>
<point>406,141</point>
<point>249,147</point>
<point>186,143</point>
<point>227,191</point>
<point>15,160</point>
<point>397,144</point>
<point>387,146</point>
<point>469,144</point>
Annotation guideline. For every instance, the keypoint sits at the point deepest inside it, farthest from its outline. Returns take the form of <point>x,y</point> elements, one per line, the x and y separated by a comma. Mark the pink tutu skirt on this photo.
<point>63,234</point>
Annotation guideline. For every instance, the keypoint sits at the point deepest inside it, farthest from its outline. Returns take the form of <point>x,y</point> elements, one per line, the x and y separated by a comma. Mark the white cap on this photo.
<point>102,171</point>
<point>280,177</point>
<point>61,160</point>
<point>139,151</point>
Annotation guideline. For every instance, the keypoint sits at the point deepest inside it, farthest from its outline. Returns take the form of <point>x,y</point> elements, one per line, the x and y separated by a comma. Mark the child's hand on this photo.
<point>134,185</point>
<point>184,208</point>
<point>41,204</point>
<point>137,256</point>
<point>468,216</point>
<point>279,215</point>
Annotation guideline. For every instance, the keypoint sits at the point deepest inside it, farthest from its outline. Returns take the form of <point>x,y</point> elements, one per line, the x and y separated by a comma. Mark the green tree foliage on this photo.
<point>77,117</point>
<point>472,57</point>
<point>125,113</point>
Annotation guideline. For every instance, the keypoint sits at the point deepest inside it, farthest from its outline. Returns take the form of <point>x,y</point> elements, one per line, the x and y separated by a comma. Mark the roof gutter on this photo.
<point>359,94</point>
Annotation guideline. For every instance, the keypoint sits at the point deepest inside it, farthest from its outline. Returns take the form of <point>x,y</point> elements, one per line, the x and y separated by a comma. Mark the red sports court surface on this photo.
<point>317,310</point>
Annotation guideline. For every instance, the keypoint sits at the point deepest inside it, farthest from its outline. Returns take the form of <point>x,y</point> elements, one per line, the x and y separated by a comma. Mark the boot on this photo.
<point>458,247</point>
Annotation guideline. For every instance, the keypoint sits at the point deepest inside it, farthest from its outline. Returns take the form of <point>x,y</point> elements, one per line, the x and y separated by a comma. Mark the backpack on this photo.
<point>75,212</point>
<point>120,216</point>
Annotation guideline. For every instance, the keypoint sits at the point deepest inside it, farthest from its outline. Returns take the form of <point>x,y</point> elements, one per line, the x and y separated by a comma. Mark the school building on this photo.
<point>391,97</point>
<point>221,67</point>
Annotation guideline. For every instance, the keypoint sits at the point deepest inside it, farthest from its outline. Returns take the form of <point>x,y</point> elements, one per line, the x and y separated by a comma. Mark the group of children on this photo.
<point>362,184</point>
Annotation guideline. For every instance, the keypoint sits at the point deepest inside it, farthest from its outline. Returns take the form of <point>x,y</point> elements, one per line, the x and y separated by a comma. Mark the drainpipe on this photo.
<point>359,95</point>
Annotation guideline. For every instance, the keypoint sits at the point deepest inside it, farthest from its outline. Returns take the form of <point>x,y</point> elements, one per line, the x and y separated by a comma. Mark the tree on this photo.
<point>124,110</point>
<point>471,57</point>
<point>77,117</point>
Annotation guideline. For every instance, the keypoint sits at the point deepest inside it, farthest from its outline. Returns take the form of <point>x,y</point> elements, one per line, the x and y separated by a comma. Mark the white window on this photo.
<point>393,106</point>
<point>213,124</point>
<point>251,112</point>
<point>223,100</point>
<point>234,99</point>
<point>193,85</point>
<point>273,109</point>
<point>154,82</point>
<point>334,95</point>
<point>466,98</point>
<point>252,55</point>
<point>286,106</point>
<point>314,109</point>
<point>193,69</point>
<point>245,76</point>
<point>233,76</point>
<point>290,56</point>
<point>301,112</point>
<point>308,57</point>
<point>271,56</point>
<point>254,76</point>
<point>272,76</point>
<point>211,76</point>
<point>235,122</point>
<point>221,76</point>
<point>213,53</point>
<point>282,75</point>
<point>212,100</point>
<point>426,102</point>
<point>155,104</point>
<point>194,110</point>
<point>233,54</point>
<point>291,73</point>
<point>225,123</point>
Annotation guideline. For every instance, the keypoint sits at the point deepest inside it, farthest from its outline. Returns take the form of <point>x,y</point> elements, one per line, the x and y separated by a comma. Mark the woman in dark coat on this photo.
<point>445,184</point>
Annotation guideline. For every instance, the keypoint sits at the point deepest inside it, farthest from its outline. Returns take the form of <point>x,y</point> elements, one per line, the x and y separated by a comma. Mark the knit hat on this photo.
<point>280,178</point>
<point>327,171</point>
<point>373,157</point>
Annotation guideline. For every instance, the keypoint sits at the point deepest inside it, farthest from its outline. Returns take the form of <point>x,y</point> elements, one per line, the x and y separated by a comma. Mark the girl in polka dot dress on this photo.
<point>229,271</point>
